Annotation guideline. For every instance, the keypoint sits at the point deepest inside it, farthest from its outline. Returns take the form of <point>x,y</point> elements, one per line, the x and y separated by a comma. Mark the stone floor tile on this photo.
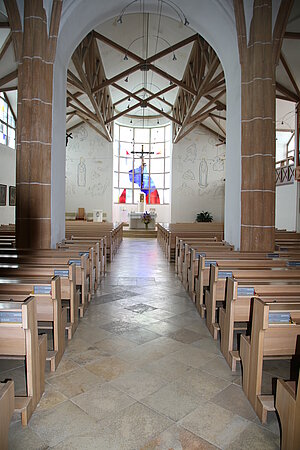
<point>254,437</point>
<point>20,438</point>
<point>194,357</point>
<point>113,345</point>
<point>219,366</point>
<point>140,336</point>
<point>162,328</point>
<point>109,367</point>
<point>215,424</point>
<point>204,387</point>
<point>208,344</point>
<point>119,326</point>
<point>61,422</point>
<point>184,335</point>
<point>103,401</point>
<point>137,424</point>
<point>75,382</point>
<point>234,399</point>
<point>139,384</point>
<point>167,368</point>
<point>177,438</point>
<point>172,401</point>
<point>50,398</point>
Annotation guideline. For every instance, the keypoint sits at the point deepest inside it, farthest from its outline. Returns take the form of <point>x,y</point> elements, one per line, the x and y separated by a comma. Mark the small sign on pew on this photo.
<point>245,291</point>
<point>209,263</point>
<point>83,253</point>
<point>224,274</point>
<point>273,255</point>
<point>42,289</point>
<point>279,317</point>
<point>61,273</point>
<point>10,317</point>
<point>77,262</point>
<point>200,254</point>
<point>293,263</point>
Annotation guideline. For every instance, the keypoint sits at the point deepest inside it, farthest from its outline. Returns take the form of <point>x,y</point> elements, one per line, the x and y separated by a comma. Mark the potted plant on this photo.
<point>204,216</point>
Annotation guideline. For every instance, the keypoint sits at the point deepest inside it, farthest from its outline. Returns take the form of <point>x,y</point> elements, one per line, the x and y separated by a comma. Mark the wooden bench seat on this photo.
<point>19,338</point>
<point>70,295</point>
<point>267,339</point>
<point>218,279</point>
<point>201,268</point>
<point>236,309</point>
<point>47,296</point>
<point>38,257</point>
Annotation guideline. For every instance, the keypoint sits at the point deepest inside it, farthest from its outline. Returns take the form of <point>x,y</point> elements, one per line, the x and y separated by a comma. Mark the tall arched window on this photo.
<point>7,123</point>
<point>130,175</point>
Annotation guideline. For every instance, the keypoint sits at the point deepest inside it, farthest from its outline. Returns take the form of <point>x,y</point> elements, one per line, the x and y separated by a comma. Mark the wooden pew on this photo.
<point>266,340</point>
<point>19,339</point>
<point>188,263</point>
<point>167,233</point>
<point>47,258</point>
<point>47,296</point>
<point>99,247</point>
<point>202,263</point>
<point>96,230</point>
<point>236,310</point>
<point>70,296</point>
<point>7,406</point>
<point>180,245</point>
<point>218,279</point>
<point>288,407</point>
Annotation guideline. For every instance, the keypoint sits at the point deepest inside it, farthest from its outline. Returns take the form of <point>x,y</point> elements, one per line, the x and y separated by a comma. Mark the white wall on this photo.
<point>286,207</point>
<point>7,177</point>
<point>198,173</point>
<point>89,188</point>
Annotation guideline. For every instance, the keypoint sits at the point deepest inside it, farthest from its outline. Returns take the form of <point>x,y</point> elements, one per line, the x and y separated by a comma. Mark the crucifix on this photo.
<point>142,154</point>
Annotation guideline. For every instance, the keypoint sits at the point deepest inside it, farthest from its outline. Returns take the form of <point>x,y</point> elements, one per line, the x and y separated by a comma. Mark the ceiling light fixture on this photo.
<point>167,3</point>
<point>125,57</point>
<point>174,57</point>
<point>126,80</point>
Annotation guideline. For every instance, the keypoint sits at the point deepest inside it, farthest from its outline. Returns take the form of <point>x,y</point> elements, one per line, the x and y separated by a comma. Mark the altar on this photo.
<point>136,220</point>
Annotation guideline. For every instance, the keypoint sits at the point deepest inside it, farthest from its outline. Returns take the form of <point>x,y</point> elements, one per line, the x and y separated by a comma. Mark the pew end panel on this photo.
<point>7,399</point>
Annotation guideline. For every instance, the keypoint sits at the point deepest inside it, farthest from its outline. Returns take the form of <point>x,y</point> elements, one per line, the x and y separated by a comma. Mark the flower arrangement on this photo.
<point>146,218</point>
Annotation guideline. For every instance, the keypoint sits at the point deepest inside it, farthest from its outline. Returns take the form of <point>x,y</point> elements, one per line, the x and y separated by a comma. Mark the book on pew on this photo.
<point>279,317</point>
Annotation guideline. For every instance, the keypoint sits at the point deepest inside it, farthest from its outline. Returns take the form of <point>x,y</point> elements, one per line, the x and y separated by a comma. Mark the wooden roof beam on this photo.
<point>174,80</point>
<point>9,77</point>
<point>117,77</point>
<point>218,124</point>
<point>172,119</point>
<point>291,35</point>
<point>5,45</point>
<point>171,49</point>
<point>205,82</point>
<point>289,73</point>
<point>78,66</point>
<point>289,94</point>
<point>205,107</point>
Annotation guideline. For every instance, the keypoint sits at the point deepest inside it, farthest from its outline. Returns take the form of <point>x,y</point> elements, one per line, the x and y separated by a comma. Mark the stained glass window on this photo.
<point>131,176</point>
<point>7,123</point>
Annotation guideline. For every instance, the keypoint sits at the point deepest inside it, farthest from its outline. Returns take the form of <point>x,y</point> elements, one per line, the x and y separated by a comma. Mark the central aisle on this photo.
<point>142,372</point>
